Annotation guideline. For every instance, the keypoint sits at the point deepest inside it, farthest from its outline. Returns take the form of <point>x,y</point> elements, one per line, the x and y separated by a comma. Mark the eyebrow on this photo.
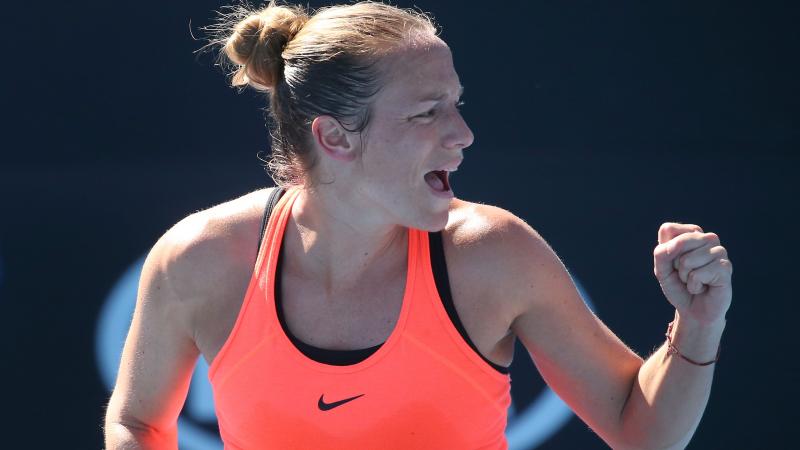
<point>439,96</point>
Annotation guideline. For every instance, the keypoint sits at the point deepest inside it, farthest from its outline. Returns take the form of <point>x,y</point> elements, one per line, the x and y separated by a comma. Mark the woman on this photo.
<point>382,311</point>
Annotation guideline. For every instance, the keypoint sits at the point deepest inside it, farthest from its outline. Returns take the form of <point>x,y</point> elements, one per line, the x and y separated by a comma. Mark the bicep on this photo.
<point>158,357</point>
<point>577,355</point>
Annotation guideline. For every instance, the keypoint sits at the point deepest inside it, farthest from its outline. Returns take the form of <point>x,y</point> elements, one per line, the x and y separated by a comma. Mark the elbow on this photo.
<point>671,447</point>
<point>647,443</point>
<point>123,429</point>
<point>130,433</point>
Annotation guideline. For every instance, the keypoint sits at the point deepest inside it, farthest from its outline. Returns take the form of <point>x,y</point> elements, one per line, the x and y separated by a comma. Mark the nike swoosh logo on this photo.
<point>328,406</point>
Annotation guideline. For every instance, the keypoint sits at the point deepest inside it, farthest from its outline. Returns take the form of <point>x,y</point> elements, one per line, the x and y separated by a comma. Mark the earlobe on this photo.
<point>332,138</point>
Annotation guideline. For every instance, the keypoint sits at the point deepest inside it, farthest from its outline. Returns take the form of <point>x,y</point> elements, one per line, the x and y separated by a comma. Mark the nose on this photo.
<point>459,135</point>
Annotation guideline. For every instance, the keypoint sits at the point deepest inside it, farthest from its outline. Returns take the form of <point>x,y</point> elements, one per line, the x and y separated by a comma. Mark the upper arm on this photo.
<point>159,353</point>
<point>577,355</point>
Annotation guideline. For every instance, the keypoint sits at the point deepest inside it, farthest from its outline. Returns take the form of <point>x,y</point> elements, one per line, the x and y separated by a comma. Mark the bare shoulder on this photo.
<point>207,243</point>
<point>492,237</point>
<point>477,223</point>
<point>498,256</point>
<point>201,264</point>
<point>206,259</point>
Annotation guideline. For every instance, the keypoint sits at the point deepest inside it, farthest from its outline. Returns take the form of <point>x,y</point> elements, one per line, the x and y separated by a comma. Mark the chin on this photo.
<point>433,222</point>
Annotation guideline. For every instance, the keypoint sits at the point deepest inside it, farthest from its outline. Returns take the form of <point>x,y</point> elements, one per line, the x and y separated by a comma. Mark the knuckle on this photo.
<point>683,261</point>
<point>720,251</point>
<point>692,276</point>
<point>694,235</point>
<point>669,228</point>
<point>726,263</point>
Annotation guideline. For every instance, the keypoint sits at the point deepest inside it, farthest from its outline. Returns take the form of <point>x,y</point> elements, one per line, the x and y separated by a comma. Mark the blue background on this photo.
<point>594,121</point>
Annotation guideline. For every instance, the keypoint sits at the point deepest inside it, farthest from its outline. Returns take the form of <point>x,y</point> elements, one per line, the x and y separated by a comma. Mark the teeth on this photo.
<point>452,166</point>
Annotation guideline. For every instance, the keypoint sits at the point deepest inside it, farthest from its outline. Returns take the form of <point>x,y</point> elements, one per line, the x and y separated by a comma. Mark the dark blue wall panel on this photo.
<point>594,121</point>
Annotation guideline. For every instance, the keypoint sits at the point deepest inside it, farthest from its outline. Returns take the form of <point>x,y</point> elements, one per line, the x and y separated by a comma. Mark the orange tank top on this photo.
<point>424,388</point>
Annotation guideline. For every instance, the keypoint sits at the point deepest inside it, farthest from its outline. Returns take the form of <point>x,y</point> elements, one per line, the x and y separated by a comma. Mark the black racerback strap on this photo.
<point>274,196</point>
<point>348,357</point>
<point>439,266</point>
<point>334,357</point>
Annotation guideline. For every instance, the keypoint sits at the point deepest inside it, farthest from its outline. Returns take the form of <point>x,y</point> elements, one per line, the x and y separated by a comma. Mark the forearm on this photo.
<point>670,394</point>
<point>122,436</point>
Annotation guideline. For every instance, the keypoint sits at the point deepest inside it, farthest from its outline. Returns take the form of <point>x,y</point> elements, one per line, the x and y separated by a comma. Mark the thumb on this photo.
<point>674,288</point>
<point>675,291</point>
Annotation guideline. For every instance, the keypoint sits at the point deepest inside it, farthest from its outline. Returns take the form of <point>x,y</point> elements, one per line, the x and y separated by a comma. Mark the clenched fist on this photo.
<point>694,271</point>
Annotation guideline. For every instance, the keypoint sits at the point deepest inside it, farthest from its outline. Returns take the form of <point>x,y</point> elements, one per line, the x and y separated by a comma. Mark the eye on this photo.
<point>432,112</point>
<point>429,113</point>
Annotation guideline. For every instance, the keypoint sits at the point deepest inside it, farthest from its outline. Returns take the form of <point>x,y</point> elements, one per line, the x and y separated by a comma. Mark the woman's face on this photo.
<point>415,136</point>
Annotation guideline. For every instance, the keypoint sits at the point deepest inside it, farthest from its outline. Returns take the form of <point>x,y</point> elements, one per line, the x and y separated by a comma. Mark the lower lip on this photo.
<point>443,194</point>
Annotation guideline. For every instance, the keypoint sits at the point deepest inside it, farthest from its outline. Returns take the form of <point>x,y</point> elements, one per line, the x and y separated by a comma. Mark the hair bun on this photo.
<point>257,43</point>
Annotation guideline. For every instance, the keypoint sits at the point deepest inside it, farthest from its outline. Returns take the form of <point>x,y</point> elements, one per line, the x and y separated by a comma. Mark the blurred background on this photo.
<point>594,121</point>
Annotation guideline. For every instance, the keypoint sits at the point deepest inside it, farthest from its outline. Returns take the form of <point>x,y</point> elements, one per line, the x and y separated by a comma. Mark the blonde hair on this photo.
<point>313,63</point>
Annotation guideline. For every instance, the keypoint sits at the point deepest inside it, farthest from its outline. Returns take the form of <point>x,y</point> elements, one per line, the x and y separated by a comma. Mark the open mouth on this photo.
<point>438,180</point>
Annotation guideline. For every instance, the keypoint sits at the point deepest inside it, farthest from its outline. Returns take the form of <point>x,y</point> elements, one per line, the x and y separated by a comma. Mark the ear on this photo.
<point>333,139</point>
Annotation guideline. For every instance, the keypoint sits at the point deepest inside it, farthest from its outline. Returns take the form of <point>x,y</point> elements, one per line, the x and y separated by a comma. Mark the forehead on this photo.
<point>417,73</point>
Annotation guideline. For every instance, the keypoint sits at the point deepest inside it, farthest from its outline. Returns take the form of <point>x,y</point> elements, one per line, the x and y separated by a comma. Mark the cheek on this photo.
<point>392,168</point>
<point>395,158</point>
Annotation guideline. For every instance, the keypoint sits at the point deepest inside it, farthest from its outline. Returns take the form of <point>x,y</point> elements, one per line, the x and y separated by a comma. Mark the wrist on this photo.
<point>694,326</point>
<point>695,341</point>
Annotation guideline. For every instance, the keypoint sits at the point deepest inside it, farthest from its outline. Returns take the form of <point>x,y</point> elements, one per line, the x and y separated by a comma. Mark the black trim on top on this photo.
<point>323,355</point>
<point>333,357</point>
<point>439,266</point>
<point>349,357</point>
<point>272,200</point>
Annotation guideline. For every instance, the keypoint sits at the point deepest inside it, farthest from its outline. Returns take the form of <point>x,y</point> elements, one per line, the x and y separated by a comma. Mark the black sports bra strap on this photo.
<point>442,280</point>
<point>274,196</point>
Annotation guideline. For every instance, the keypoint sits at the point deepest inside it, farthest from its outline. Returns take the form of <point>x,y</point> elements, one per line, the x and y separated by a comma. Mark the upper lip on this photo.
<point>450,166</point>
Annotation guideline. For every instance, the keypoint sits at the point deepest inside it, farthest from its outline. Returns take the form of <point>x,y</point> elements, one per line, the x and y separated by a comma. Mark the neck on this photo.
<point>339,242</point>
